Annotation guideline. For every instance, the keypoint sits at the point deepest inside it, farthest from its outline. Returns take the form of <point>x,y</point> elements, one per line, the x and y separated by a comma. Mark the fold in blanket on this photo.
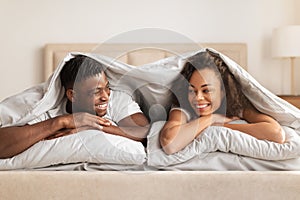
<point>150,86</point>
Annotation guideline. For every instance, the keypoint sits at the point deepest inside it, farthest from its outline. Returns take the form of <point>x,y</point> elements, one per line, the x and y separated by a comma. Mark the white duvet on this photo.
<point>149,85</point>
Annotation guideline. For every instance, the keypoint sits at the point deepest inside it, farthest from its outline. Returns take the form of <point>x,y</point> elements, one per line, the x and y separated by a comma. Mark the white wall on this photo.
<point>27,25</point>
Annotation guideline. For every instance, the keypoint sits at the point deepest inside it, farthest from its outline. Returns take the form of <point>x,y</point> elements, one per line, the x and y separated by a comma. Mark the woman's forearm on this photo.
<point>260,126</point>
<point>175,138</point>
<point>262,130</point>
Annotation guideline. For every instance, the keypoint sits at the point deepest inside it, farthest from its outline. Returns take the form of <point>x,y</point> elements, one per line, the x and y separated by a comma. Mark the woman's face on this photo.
<point>205,94</point>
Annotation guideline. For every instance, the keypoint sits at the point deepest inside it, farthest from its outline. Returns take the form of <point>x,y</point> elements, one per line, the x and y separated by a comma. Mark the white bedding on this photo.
<point>233,150</point>
<point>149,85</point>
<point>91,146</point>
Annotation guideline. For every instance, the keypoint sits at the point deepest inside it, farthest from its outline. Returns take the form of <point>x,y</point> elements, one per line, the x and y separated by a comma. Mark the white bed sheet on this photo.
<point>214,161</point>
<point>220,161</point>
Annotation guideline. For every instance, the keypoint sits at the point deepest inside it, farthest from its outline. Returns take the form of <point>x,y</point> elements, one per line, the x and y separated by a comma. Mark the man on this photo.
<point>88,104</point>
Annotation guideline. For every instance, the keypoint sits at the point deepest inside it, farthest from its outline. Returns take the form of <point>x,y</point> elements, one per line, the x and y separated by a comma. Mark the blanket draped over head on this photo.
<point>150,85</point>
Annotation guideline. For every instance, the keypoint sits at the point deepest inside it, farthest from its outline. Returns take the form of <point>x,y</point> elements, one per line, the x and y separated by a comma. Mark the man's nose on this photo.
<point>104,95</point>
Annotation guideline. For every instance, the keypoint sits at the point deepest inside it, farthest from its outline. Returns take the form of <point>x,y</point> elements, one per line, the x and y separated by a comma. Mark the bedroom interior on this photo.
<point>251,48</point>
<point>107,177</point>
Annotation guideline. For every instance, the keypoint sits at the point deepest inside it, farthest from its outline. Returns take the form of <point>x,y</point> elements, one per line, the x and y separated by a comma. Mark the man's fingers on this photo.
<point>104,122</point>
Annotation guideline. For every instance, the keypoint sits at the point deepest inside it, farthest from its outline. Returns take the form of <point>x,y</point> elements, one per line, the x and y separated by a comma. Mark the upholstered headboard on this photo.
<point>138,54</point>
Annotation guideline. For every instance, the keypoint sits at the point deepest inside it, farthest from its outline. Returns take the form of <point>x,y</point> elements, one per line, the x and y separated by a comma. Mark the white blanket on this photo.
<point>226,140</point>
<point>149,85</point>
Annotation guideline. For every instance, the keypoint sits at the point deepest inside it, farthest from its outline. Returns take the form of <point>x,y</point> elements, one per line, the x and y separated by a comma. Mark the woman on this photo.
<point>201,95</point>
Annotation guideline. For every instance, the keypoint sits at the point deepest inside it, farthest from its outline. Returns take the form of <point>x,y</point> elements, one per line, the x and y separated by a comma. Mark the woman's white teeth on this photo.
<point>202,106</point>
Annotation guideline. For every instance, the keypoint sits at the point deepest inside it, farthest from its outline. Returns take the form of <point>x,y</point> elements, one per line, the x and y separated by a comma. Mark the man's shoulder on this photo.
<point>119,94</point>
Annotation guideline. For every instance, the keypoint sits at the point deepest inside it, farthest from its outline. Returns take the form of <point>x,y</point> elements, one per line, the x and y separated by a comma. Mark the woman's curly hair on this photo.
<point>235,100</point>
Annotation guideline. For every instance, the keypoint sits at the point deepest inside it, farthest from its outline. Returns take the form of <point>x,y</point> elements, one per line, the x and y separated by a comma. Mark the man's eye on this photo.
<point>91,94</point>
<point>94,93</point>
<point>98,91</point>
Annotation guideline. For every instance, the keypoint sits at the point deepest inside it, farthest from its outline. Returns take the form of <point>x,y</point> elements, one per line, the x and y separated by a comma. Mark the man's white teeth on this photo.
<point>101,106</point>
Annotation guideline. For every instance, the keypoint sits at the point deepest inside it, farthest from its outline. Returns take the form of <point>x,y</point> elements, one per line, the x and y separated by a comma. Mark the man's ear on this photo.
<point>70,95</point>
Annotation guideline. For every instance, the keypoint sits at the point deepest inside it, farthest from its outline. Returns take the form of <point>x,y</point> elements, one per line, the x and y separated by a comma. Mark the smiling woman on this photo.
<point>207,94</point>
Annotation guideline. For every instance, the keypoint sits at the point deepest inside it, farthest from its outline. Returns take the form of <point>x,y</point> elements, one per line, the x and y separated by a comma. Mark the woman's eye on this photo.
<point>192,91</point>
<point>208,90</point>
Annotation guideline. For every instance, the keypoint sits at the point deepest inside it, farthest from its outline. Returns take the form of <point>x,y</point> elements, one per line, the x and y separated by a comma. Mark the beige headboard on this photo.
<point>138,54</point>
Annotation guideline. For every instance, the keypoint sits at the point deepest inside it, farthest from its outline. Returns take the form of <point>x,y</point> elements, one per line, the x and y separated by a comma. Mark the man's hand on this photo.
<point>65,132</point>
<point>77,122</point>
<point>82,119</point>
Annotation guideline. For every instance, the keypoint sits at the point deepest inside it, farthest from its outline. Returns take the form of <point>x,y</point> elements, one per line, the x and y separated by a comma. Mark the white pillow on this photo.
<point>217,138</point>
<point>90,146</point>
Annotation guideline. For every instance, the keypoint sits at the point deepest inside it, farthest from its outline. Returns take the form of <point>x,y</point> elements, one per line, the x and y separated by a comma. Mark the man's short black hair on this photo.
<point>79,68</point>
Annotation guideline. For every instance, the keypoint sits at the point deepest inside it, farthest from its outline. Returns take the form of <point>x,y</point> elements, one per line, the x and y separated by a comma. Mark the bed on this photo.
<point>225,174</point>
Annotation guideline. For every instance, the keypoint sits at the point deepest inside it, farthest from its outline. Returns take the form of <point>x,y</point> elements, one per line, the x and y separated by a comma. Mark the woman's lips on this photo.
<point>201,106</point>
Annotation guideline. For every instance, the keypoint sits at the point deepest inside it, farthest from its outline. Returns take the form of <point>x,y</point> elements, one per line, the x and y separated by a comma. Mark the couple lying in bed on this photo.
<point>205,94</point>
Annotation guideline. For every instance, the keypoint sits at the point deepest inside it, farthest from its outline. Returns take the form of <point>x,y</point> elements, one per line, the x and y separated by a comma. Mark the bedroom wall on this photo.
<point>27,25</point>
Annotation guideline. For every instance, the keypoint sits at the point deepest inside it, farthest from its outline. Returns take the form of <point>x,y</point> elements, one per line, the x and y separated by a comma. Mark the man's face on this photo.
<point>92,95</point>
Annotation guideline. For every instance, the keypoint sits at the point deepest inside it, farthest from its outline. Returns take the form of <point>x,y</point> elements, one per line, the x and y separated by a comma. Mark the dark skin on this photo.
<point>90,100</point>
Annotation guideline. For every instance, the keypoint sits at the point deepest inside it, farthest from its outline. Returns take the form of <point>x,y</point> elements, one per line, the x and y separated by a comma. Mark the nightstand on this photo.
<point>292,99</point>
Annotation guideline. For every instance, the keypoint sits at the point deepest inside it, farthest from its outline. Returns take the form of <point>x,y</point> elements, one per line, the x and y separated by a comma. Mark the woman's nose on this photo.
<point>199,96</point>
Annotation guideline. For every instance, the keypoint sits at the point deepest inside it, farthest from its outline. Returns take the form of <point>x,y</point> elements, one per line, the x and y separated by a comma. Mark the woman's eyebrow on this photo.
<point>192,86</point>
<point>205,85</point>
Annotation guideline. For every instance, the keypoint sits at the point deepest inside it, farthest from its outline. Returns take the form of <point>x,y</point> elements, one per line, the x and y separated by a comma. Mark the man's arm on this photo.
<point>134,127</point>
<point>14,140</point>
<point>132,123</point>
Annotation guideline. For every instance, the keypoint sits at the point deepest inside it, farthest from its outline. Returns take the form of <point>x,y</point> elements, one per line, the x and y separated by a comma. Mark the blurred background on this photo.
<point>26,26</point>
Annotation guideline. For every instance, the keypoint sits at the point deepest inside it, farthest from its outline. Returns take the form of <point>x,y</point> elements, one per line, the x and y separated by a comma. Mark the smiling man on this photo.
<point>89,103</point>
